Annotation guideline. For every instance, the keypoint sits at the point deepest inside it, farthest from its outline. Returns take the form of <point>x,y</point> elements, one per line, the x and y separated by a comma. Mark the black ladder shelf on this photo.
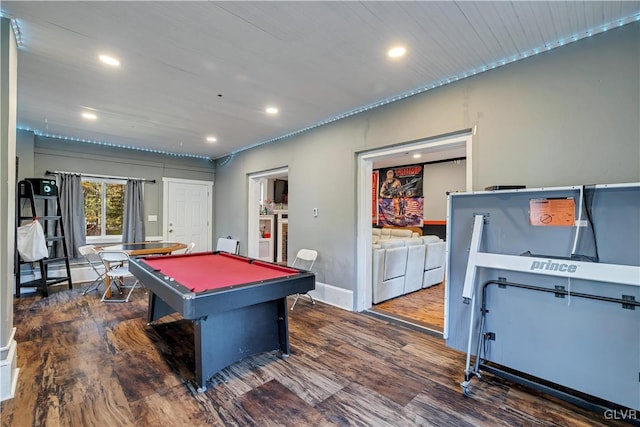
<point>46,208</point>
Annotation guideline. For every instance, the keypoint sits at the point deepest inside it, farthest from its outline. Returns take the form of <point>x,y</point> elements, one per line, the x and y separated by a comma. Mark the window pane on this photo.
<point>115,209</point>
<point>93,207</point>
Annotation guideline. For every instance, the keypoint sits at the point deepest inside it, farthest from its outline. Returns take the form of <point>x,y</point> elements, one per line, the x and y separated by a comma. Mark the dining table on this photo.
<point>135,249</point>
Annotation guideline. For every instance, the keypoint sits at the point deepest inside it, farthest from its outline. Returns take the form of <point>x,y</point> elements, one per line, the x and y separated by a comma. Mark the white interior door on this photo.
<point>188,212</point>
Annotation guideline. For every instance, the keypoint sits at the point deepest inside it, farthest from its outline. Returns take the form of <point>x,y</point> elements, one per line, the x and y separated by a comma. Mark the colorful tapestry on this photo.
<point>374,192</point>
<point>400,199</point>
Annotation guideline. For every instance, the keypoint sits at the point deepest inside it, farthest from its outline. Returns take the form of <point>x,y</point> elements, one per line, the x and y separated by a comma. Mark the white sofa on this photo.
<point>378,234</point>
<point>404,265</point>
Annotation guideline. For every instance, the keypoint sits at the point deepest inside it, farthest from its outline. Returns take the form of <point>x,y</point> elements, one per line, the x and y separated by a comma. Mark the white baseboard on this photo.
<point>78,274</point>
<point>329,294</point>
<point>333,295</point>
<point>8,368</point>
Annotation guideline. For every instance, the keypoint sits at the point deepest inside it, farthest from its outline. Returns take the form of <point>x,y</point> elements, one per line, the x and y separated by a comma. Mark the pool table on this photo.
<point>137,249</point>
<point>238,304</point>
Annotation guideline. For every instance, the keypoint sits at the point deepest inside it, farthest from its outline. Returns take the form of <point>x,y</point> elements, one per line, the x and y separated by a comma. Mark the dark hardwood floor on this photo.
<point>86,363</point>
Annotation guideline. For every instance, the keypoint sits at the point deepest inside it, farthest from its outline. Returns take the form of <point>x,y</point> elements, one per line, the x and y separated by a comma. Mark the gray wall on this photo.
<point>8,100</point>
<point>568,116</point>
<point>61,155</point>
<point>25,141</point>
<point>440,178</point>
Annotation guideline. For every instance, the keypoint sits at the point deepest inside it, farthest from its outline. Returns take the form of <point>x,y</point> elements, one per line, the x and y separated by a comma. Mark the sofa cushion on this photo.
<point>415,267</point>
<point>387,290</point>
<point>412,242</point>
<point>435,255</point>
<point>395,263</point>
<point>396,233</point>
<point>431,239</point>
<point>391,243</point>
<point>433,277</point>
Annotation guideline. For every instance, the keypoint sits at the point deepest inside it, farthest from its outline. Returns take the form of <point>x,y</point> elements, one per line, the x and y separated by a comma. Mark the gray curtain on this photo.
<point>72,211</point>
<point>133,221</point>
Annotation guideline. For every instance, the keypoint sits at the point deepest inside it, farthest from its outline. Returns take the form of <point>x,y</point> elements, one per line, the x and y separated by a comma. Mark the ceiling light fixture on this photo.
<point>211,139</point>
<point>109,60</point>
<point>417,156</point>
<point>271,110</point>
<point>89,116</point>
<point>397,52</point>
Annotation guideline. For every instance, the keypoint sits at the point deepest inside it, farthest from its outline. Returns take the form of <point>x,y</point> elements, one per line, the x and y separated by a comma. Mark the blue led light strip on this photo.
<point>614,24</point>
<point>109,144</point>
<point>14,26</point>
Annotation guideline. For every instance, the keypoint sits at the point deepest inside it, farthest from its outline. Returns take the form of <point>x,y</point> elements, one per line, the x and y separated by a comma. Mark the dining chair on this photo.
<point>305,258</point>
<point>117,270</point>
<point>190,247</point>
<point>92,256</point>
<point>228,245</point>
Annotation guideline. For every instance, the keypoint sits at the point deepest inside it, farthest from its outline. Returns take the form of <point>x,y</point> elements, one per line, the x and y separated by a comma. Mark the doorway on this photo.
<point>261,193</point>
<point>187,212</point>
<point>432,149</point>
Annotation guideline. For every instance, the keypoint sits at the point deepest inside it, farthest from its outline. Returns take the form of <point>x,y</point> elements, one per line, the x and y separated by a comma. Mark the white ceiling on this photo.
<point>192,69</point>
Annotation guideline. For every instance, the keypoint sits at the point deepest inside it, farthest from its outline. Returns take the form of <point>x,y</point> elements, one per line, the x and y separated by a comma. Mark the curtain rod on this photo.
<point>153,181</point>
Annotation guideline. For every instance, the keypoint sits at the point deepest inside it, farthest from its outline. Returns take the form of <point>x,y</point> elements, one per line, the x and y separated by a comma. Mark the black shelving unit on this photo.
<point>45,206</point>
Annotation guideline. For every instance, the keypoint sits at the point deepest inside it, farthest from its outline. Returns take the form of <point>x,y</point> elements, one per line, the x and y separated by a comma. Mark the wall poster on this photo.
<point>400,199</point>
<point>374,192</point>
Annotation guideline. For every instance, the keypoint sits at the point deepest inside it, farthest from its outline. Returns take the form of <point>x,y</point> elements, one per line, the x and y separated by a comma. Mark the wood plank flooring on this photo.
<point>424,307</point>
<point>86,363</point>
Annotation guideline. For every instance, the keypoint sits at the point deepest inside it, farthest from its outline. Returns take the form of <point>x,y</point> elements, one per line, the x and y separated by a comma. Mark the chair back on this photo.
<point>87,249</point>
<point>190,247</point>
<point>228,245</point>
<point>114,256</point>
<point>91,254</point>
<point>305,258</point>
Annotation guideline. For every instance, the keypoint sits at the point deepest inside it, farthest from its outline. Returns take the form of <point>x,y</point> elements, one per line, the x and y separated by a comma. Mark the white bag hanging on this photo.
<point>32,245</point>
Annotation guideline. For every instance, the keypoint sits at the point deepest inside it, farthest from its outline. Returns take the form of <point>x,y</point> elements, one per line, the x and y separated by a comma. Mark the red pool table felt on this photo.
<point>206,271</point>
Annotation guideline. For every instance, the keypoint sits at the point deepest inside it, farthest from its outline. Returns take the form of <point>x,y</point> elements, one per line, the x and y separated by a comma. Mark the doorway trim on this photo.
<point>165,205</point>
<point>364,294</point>
<point>253,203</point>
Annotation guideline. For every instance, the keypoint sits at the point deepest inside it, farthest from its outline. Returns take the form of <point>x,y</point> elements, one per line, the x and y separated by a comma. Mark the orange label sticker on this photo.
<point>552,212</point>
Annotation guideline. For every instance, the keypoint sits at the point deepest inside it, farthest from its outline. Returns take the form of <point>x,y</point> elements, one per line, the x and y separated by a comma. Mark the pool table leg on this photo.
<point>222,339</point>
<point>283,327</point>
<point>157,308</point>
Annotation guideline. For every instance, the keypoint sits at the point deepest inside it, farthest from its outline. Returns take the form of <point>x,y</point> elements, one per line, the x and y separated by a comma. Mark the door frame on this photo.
<point>165,205</point>
<point>363,298</point>
<point>253,203</point>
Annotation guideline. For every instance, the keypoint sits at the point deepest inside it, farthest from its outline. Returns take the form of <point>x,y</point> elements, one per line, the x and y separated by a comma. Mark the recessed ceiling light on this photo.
<point>397,52</point>
<point>271,110</point>
<point>109,60</point>
<point>89,116</point>
<point>417,156</point>
<point>211,139</point>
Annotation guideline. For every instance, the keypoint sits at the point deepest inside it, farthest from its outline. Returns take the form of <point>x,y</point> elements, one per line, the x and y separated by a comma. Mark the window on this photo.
<point>103,207</point>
